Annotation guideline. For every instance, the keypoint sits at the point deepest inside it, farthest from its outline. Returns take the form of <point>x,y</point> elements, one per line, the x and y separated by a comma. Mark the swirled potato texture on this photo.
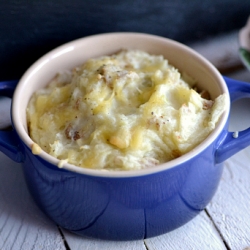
<point>127,111</point>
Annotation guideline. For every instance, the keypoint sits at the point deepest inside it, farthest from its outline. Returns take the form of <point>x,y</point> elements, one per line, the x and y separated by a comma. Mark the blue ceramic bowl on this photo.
<point>125,205</point>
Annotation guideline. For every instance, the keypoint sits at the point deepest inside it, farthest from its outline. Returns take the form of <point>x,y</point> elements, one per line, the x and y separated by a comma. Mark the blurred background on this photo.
<point>28,29</point>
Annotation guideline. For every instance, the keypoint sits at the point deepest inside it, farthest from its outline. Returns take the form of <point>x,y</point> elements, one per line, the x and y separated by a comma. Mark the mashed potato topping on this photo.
<point>131,110</point>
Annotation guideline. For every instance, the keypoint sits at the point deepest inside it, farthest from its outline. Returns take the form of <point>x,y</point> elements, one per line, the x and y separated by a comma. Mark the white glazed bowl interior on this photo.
<point>76,52</point>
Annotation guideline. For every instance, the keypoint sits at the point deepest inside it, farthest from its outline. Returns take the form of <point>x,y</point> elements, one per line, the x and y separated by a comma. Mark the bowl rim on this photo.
<point>67,47</point>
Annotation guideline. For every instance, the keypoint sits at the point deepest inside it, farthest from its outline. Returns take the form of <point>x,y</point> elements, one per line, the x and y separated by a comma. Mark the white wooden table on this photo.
<point>224,224</point>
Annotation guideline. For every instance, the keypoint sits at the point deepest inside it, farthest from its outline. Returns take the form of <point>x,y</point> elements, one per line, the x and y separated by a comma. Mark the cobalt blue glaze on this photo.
<point>230,145</point>
<point>127,208</point>
<point>7,88</point>
<point>143,206</point>
<point>8,139</point>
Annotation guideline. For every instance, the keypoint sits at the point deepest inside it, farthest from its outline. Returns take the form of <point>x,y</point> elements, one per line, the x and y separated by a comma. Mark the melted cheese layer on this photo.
<point>131,110</point>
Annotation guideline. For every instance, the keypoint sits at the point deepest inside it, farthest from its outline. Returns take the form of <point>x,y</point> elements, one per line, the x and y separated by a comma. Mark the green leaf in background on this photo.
<point>245,57</point>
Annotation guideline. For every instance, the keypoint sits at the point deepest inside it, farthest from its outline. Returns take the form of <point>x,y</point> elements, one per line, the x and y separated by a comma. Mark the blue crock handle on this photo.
<point>8,138</point>
<point>233,143</point>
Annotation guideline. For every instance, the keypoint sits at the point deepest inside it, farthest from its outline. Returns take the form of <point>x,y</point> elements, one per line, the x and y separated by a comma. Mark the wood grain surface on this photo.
<point>229,209</point>
<point>22,224</point>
